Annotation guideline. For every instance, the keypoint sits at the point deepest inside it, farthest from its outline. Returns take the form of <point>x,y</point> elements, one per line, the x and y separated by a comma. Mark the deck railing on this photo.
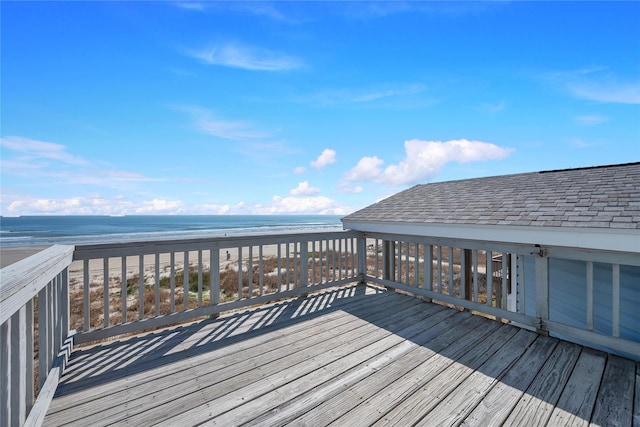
<point>590,297</point>
<point>107,290</point>
<point>129,287</point>
<point>34,333</point>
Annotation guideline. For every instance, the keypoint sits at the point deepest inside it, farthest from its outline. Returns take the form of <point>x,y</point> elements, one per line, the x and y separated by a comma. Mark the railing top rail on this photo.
<point>91,251</point>
<point>21,281</point>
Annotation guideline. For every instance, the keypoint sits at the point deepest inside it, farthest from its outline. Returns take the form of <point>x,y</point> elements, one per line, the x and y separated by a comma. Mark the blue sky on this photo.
<point>303,107</point>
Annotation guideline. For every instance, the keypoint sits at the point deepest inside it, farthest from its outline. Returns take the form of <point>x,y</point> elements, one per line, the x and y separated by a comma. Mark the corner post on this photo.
<point>388,260</point>
<point>361,251</point>
<point>466,272</point>
<point>542,291</point>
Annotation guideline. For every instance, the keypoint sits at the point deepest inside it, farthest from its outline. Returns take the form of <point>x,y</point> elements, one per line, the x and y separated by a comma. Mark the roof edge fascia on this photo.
<point>610,239</point>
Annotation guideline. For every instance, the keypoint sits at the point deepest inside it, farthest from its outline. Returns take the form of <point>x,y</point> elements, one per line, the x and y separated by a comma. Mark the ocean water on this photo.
<point>51,230</point>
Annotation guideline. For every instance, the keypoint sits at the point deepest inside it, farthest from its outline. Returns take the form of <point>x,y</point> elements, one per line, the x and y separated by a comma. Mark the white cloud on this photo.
<point>349,187</point>
<point>423,159</point>
<point>366,95</point>
<point>598,84</point>
<point>303,205</point>
<point>299,170</point>
<point>581,143</point>
<point>327,157</point>
<point>41,149</point>
<point>59,206</point>
<point>607,91</point>
<point>368,168</point>
<point>229,129</point>
<point>158,206</point>
<point>304,189</point>
<point>191,5</point>
<point>50,163</point>
<point>90,205</point>
<point>267,10</point>
<point>207,122</point>
<point>492,108</point>
<point>593,119</point>
<point>14,205</point>
<point>248,58</point>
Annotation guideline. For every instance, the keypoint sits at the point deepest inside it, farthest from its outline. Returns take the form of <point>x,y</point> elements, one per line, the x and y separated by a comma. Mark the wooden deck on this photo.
<point>352,356</point>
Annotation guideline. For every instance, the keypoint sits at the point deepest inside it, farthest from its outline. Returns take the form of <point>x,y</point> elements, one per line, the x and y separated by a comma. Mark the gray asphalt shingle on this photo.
<point>596,197</point>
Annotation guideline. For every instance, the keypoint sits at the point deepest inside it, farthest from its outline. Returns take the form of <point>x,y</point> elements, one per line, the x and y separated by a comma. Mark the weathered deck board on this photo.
<point>339,374</point>
<point>412,409</point>
<point>495,407</point>
<point>124,352</point>
<point>353,356</point>
<point>353,349</point>
<point>265,345</point>
<point>145,347</point>
<point>615,398</point>
<point>579,395</point>
<point>636,401</point>
<point>332,400</point>
<point>536,405</point>
<point>367,401</point>
<point>459,403</point>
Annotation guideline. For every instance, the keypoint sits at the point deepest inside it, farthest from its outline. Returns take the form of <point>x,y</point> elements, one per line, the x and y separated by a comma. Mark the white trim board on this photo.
<point>610,239</point>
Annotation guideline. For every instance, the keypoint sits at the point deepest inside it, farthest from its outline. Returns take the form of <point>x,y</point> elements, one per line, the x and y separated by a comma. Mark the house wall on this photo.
<point>568,296</point>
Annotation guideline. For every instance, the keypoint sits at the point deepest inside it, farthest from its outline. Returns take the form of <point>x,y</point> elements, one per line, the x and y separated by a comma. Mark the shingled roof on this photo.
<point>605,197</point>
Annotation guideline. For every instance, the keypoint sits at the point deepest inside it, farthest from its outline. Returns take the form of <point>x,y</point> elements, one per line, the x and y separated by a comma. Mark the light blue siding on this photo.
<point>602,286</point>
<point>568,296</point>
<point>630,302</point>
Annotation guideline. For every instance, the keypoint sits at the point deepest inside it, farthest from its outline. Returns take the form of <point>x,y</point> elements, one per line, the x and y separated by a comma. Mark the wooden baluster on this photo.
<point>439,269</point>
<point>489,276</point>
<point>157,284</point>
<point>172,281</point>
<point>123,288</point>
<point>474,262</point>
<point>140,287</point>
<point>199,278</point>
<point>185,280</point>
<point>86,294</point>
<point>105,292</point>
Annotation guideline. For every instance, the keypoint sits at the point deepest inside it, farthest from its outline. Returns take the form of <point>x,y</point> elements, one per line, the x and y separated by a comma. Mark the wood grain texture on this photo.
<point>356,355</point>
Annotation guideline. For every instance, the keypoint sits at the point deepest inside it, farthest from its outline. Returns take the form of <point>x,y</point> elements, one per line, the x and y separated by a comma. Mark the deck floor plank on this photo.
<point>464,398</point>
<point>368,400</point>
<point>226,355</point>
<point>615,398</point>
<point>496,406</point>
<point>636,401</point>
<point>240,375</point>
<point>171,379</point>
<point>356,355</point>
<point>157,368</point>
<point>536,405</point>
<point>356,349</point>
<point>141,347</point>
<point>413,408</point>
<point>335,377</point>
<point>579,395</point>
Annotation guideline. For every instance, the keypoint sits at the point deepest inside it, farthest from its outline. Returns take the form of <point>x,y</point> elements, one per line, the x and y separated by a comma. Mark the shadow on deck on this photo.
<point>356,355</point>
